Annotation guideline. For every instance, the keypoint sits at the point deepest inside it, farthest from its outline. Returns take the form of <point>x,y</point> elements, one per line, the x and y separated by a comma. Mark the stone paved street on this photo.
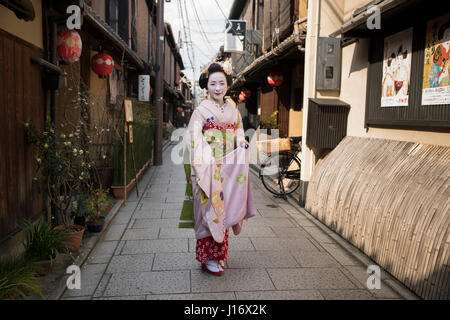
<point>282,253</point>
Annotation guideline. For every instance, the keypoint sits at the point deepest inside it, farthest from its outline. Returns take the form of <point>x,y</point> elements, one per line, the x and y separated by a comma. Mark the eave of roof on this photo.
<point>296,39</point>
<point>97,22</point>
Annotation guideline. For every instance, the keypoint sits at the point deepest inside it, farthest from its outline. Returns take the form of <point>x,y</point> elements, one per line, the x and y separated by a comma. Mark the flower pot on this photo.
<point>97,226</point>
<point>119,191</point>
<point>75,237</point>
<point>81,221</point>
<point>44,267</point>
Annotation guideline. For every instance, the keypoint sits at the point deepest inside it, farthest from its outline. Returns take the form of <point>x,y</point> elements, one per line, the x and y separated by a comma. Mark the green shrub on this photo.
<point>41,241</point>
<point>18,277</point>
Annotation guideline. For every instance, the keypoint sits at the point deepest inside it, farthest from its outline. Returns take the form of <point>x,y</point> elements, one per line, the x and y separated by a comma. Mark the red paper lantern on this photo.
<point>247,93</point>
<point>68,45</point>
<point>242,97</point>
<point>102,64</point>
<point>275,79</point>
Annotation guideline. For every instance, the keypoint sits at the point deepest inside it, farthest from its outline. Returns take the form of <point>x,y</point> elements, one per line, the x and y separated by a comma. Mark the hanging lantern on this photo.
<point>275,79</point>
<point>102,64</point>
<point>68,46</point>
<point>247,93</point>
<point>242,97</point>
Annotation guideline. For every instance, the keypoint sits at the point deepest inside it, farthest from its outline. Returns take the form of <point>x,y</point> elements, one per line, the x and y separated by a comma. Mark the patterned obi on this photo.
<point>220,136</point>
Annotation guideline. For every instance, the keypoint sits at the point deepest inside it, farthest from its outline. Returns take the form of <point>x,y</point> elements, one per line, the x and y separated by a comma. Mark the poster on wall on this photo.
<point>436,74</point>
<point>396,69</point>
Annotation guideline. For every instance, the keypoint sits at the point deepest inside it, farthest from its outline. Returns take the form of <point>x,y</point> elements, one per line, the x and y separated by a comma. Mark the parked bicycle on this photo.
<point>280,172</point>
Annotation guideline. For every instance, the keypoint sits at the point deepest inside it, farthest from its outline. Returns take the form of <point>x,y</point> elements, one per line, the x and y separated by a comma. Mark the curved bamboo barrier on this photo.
<point>390,199</point>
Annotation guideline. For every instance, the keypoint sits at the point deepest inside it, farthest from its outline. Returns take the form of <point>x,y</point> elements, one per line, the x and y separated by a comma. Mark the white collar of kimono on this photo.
<point>213,107</point>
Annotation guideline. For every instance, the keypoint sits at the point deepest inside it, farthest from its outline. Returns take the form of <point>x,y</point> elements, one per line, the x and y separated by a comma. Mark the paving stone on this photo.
<point>272,213</point>
<point>154,205</point>
<point>283,244</point>
<point>135,284</point>
<point>175,261</point>
<point>258,259</point>
<point>231,280</point>
<point>177,187</point>
<point>268,222</point>
<point>288,208</point>
<point>340,254</point>
<point>129,207</point>
<point>280,295</point>
<point>114,232</point>
<point>131,263</point>
<point>310,259</point>
<point>122,218</point>
<point>154,196</point>
<point>77,298</point>
<point>91,275</point>
<point>102,285</point>
<point>239,244</point>
<point>153,246</point>
<point>307,278</point>
<point>289,232</point>
<point>256,231</point>
<point>156,223</point>
<point>361,275</point>
<point>148,214</point>
<point>167,214</point>
<point>303,221</point>
<point>319,235</point>
<point>141,234</point>
<point>173,233</point>
<point>158,187</point>
<point>195,296</point>
<point>122,298</point>
<point>346,294</point>
<point>178,197</point>
<point>103,252</point>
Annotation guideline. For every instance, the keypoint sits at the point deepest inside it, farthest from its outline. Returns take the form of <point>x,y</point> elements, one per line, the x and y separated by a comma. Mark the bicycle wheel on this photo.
<point>280,173</point>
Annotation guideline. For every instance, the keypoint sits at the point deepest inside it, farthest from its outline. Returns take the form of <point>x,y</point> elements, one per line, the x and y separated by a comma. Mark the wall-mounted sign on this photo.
<point>396,69</point>
<point>144,88</point>
<point>235,31</point>
<point>436,67</point>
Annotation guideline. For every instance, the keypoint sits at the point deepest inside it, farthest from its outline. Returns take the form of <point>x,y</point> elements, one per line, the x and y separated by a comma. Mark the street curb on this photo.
<point>386,278</point>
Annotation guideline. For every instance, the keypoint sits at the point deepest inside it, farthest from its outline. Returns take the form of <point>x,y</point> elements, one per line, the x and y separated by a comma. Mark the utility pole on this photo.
<point>159,85</point>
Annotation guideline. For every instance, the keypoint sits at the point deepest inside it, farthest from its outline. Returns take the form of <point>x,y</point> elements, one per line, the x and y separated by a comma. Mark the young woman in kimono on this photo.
<point>215,130</point>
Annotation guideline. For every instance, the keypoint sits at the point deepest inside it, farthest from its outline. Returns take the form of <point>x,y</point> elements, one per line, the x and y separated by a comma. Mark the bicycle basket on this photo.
<point>268,146</point>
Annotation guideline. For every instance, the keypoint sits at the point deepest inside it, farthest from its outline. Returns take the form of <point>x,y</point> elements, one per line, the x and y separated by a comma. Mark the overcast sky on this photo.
<point>210,20</point>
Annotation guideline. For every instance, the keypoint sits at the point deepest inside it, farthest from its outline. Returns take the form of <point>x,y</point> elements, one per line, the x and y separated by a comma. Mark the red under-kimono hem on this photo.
<point>208,249</point>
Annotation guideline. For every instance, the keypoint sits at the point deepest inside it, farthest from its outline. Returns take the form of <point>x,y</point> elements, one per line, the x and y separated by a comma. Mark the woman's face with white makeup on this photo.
<point>217,86</point>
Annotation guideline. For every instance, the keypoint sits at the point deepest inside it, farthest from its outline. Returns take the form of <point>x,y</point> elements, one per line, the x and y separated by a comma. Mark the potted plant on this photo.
<point>42,243</point>
<point>18,278</point>
<point>63,172</point>
<point>97,206</point>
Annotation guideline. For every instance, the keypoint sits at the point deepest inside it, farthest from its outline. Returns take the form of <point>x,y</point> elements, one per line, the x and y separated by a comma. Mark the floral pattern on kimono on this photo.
<point>212,136</point>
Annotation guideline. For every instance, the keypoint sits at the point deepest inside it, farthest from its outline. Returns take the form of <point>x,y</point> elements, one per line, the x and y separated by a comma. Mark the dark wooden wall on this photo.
<point>21,100</point>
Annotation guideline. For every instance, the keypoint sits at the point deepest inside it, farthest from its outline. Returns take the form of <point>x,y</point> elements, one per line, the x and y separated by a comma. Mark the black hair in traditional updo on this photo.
<point>215,67</point>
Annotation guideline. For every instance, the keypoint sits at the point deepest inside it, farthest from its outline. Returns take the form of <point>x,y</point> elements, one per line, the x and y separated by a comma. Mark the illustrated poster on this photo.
<point>436,76</point>
<point>396,69</point>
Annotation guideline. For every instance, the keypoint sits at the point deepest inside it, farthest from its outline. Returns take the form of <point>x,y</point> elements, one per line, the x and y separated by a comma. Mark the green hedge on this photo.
<point>143,137</point>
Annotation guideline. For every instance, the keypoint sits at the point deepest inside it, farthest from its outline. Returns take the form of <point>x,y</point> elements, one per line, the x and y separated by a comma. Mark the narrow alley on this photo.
<point>281,254</point>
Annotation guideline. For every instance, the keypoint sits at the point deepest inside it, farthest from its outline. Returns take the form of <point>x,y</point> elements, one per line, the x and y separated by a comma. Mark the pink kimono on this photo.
<point>220,177</point>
